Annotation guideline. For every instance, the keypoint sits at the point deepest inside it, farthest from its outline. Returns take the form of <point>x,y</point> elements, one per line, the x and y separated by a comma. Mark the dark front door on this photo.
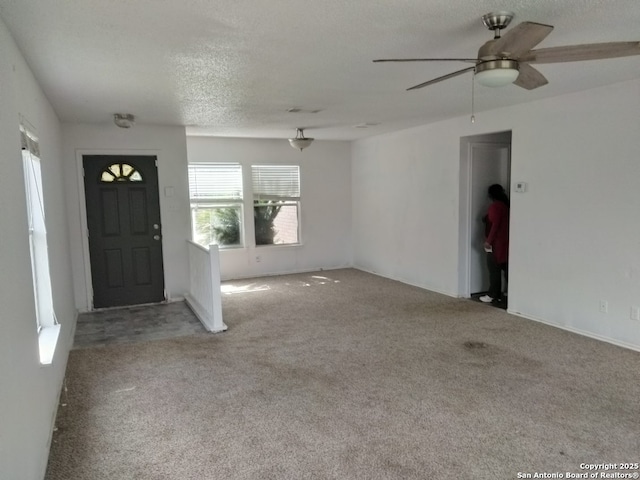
<point>125,239</point>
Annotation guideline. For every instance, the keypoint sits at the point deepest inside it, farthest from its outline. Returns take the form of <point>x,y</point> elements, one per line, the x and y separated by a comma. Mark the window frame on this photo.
<point>215,205</point>
<point>214,200</point>
<point>286,191</point>
<point>47,326</point>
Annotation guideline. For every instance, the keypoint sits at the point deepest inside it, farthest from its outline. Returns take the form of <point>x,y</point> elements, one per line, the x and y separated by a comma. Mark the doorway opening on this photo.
<point>484,160</point>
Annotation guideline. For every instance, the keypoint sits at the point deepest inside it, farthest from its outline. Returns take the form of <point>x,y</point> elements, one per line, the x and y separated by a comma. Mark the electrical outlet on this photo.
<point>258,258</point>
<point>635,314</point>
<point>604,306</point>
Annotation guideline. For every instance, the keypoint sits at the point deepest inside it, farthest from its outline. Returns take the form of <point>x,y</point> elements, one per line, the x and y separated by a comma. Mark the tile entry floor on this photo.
<point>135,324</point>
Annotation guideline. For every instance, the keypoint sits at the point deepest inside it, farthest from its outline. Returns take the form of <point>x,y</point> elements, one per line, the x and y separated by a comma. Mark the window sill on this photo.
<point>47,341</point>
<point>279,245</point>
<point>230,247</point>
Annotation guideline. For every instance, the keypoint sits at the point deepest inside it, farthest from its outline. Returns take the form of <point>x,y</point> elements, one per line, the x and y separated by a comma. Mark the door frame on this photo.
<point>464,217</point>
<point>84,227</point>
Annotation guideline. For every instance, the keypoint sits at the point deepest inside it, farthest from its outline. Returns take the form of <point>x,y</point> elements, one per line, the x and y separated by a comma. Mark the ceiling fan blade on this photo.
<point>587,51</point>
<point>520,39</point>
<point>529,77</point>
<point>444,77</point>
<point>426,60</point>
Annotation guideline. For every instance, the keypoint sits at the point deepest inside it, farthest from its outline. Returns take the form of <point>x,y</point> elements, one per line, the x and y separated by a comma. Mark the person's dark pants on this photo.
<point>495,276</point>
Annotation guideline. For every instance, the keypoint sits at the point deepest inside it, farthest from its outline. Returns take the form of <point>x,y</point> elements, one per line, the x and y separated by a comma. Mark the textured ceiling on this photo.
<point>234,67</point>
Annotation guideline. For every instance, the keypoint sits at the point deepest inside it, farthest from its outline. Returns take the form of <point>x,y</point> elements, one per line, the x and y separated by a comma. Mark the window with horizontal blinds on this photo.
<point>271,182</point>
<point>276,204</point>
<point>215,182</point>
<point>216,193</point>
<point>46,323</point>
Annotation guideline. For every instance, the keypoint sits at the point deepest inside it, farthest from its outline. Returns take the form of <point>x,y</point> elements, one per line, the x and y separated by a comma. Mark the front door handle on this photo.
<point>156,237</point>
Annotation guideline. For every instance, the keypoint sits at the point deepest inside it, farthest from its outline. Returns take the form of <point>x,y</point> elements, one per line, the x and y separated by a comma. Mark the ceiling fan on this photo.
<point>508,58</point>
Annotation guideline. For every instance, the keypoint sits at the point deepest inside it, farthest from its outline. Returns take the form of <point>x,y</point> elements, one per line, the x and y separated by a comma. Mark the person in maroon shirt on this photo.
<point>497,242</point>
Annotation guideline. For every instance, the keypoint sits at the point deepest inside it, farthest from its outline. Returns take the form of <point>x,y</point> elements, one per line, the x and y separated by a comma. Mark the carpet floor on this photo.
<point>345,375</point>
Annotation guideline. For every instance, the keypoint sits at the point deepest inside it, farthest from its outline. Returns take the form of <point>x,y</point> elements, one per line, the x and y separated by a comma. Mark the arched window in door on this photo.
<point>120,172</point>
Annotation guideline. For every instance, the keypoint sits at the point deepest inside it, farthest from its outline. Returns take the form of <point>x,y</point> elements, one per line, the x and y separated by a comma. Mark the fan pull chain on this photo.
<point>473,85</point>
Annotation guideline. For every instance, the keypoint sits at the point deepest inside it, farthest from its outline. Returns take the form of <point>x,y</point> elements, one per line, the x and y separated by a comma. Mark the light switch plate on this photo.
<point>521,187</point>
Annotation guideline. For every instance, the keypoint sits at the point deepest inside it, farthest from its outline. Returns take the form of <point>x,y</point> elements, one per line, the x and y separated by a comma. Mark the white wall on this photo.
<point>575,234</point>
<point>325,189</point>
<point>405,209</point>
<point>28,391</point>
<point>169,144</point>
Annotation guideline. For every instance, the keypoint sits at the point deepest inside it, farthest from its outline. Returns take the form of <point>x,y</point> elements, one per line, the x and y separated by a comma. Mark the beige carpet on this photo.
<point>345,375</point>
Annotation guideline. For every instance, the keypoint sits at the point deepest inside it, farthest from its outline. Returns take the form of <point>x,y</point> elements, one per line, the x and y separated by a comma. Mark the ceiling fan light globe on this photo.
<point>497,78</point>
<point>497,73</point>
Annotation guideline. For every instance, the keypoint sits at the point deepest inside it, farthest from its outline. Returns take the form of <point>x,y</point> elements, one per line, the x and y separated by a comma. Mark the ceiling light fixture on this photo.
<point>497,73</point>
<point>124,120</point>
<point>300,142</point>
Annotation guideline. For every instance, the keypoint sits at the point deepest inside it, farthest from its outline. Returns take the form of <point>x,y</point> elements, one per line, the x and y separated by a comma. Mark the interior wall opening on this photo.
<point>484,160</point>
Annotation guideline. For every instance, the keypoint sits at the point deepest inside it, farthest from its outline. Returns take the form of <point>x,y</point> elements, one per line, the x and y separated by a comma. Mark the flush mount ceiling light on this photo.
<point>300,142</point>
<point>124,120</point>
<point>497,73</point>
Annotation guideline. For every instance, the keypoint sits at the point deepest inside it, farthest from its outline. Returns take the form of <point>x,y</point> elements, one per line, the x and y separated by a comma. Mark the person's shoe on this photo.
<point>486,299</point>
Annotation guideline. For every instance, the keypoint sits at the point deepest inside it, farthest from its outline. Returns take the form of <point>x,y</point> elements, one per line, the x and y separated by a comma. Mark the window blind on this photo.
<point>271,182</point>
<point>45,315</point>
<point>29,142</point>
<point>215,181</point>
<point>33,175</point>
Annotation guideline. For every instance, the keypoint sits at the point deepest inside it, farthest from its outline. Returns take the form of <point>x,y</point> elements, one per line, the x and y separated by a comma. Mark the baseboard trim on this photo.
<point>406,282</point>
<point>287,272</point>
<point>200,312</point>
<point>578,331</point>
